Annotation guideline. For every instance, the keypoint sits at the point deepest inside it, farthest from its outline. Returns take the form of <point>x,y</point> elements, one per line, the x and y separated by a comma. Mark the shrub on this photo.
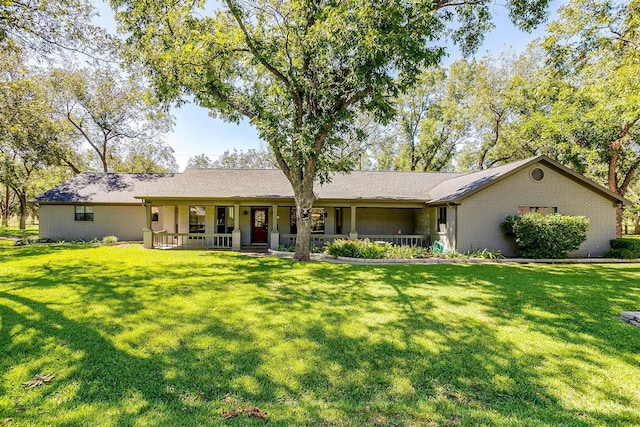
<point>484,254</point>
<point>285,248</point>
<point>624,249</point>
<point>357,248</point>
<point>548,236</point>
<point>407,252</point>
<point>109,240</point>
<point>621,254</point>
<point>622,243</point>
<point>342,247</point>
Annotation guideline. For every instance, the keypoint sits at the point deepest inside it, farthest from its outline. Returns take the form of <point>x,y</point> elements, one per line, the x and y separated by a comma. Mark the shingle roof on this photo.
<point>432,187</point>
<point>459,187</point>
<point>254,183</point>
<point>92,187</point>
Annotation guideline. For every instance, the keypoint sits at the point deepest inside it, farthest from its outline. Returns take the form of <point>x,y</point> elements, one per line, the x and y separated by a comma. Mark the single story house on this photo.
<point>227,208</point>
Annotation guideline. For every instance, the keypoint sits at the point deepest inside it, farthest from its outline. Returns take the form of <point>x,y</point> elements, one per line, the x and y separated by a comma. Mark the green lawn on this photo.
<point>16,232</point>
<point>175,338</point>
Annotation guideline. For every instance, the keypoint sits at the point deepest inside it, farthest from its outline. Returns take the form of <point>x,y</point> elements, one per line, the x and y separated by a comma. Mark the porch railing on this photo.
<point>192,240</point>
<point>317,240</point>
<point>397,239</point>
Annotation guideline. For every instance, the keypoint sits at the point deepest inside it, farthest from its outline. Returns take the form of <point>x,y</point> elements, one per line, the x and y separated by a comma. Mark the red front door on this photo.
<point>259,225</point>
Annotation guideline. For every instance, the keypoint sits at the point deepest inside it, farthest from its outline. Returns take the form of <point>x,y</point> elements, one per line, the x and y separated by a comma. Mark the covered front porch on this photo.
<point>232,226</point>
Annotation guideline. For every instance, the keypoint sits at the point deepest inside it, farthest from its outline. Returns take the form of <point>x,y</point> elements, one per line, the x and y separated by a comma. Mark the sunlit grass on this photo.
<point>16,232</point>
<point>143,337</point>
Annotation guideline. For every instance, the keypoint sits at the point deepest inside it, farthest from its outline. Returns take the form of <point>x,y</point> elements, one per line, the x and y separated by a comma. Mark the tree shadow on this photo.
<point>314,344</point>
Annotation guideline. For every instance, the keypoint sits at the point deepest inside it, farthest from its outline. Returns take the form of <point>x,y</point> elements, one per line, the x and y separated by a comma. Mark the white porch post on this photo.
<point>236,235</point>
<point>210,219</point>
<point>275,234</point>
<point>147,232</point>
<point>353,233</point>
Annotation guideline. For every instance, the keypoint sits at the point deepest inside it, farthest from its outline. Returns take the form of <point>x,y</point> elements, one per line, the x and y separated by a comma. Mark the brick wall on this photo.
<point>480,215</point>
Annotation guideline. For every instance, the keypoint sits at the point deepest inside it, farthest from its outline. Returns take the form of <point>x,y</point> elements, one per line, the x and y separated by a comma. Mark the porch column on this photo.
<point>236,235</point>
<point>275,235</point>
<point>147,232</point>
<point>353,233</point>
<point>210,219</point>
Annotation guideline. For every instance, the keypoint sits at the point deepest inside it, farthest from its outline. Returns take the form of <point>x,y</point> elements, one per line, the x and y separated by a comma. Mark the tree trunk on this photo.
<point>304,203</point>
<point>6,207</point>
<point>22,197</point>
<point>619,210</point>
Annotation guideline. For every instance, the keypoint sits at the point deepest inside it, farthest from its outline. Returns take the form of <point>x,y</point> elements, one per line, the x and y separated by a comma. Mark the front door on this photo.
<point>259,225</point>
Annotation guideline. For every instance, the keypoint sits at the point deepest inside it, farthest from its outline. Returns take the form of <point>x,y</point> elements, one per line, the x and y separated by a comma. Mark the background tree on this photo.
<point>631,214</point>
<point>147,158</point>
<point>8,204</point>
<point>201,161</point>
<point>594,48</point>
<point>431,120</point>
<point>251,159</point>
<point>29,135</point>
<point>494,103</point>
<point>44,27</point>
<point>301,70</point>
<point>115,116</point>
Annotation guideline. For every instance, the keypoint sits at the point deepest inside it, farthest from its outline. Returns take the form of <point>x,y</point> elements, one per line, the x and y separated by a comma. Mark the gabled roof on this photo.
<point>433,188</point>
<point>272,184</point>
<point>90,187</point>
<point>456,189</point>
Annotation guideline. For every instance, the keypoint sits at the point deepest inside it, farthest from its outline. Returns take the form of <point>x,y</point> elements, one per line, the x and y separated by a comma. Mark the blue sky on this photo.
<point>196,132</point>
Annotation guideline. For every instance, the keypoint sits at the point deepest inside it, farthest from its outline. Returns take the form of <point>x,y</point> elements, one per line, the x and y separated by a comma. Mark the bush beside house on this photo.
<point>546,236</point>
<point>624,249</point>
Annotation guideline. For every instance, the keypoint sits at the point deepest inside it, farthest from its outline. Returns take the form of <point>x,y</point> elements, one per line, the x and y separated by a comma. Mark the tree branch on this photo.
<point>234,9</point>
<point>633,44</point>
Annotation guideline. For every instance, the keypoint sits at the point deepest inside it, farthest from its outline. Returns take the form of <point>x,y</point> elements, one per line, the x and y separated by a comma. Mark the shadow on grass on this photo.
<point>311,344</point>
<point>39,249</point>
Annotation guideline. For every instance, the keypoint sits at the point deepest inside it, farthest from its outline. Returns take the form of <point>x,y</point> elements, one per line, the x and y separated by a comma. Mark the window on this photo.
<point>294,221</point>
<point>196,219</point>
<point>317,215</point>
<point>544,210</point>
<point>537,174</point>
<point>221,219</point>
<point>338,220</point>
<point>442,215</point>
<point>84,213</point>
<point>155,213</point>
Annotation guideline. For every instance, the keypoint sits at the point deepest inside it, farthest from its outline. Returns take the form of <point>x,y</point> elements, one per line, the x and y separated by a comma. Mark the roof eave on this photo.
<point>550,162</point>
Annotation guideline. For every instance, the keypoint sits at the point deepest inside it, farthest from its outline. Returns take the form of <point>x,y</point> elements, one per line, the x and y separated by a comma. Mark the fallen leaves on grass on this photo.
<point>38,380</point>
<point>249,411</point>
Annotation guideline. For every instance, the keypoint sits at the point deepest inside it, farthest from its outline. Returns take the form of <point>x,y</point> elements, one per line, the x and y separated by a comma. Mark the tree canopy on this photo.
<point>29,132</point>
<point>44,27</point>
<point>301,70</point>
<point>114,114</point>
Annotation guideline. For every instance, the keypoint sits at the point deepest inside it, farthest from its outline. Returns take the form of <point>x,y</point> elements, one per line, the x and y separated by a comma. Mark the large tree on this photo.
<point>301,70</point>
<point>115,116</point>
<point>29,134</point>
<point>432,119</point>
<point>594,49</point>
<point>45,27</point>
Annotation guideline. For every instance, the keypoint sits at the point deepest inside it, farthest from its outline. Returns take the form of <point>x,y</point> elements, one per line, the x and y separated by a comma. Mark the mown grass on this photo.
<point>147,337</point>
<point>16,232</point>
